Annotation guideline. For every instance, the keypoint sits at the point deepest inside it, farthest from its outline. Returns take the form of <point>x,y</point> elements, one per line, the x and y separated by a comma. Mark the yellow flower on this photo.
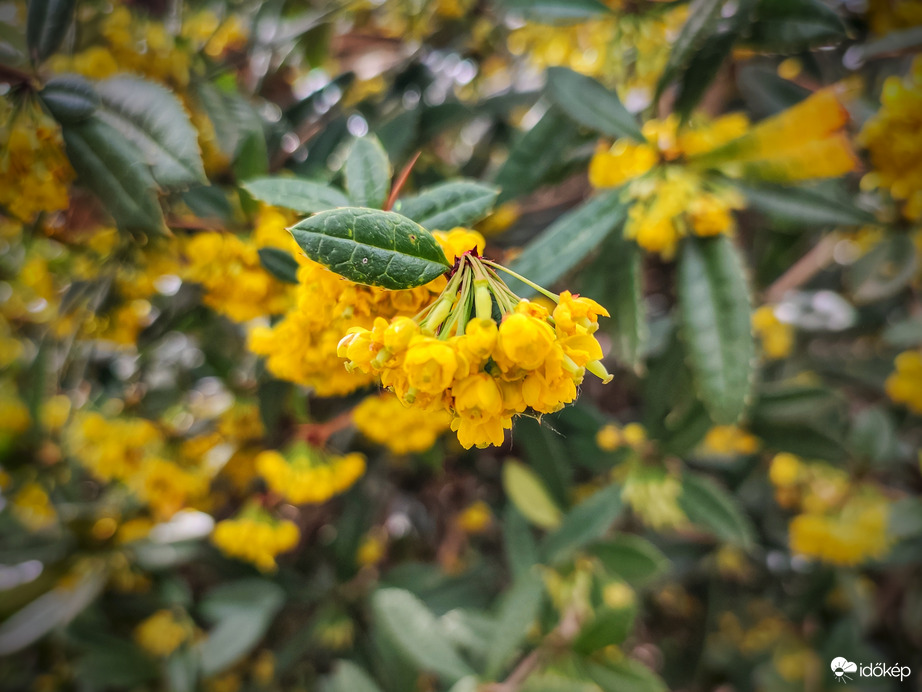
<point>309,475</point>
<point>166,487</point>
<point>112,449</point>
<point>608,438</point>
<point>904,386</point>
<point>855,534</point>
<point>371,550</point>
<point>256,537</point>
<point>402,429</point>
<point>475,518</point>
<point>33,509</point>
<point>162,633</point>
<point>654,494</point>
<point>430,365</point>
<point>777,337</point>
<point>785,469</point>
<point>729,439</point>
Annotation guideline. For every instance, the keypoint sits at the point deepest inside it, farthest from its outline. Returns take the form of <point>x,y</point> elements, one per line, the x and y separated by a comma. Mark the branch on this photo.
<point>816,260</point>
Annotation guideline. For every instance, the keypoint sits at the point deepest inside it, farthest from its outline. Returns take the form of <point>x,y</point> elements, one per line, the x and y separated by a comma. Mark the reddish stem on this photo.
<point>400,182</point>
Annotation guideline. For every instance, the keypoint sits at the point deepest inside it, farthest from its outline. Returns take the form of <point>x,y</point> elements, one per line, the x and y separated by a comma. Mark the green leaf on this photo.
<point>46,24</point>
<point>449,204</point>
<point>789,404</point>
<point>715,320</point>
<point>626,675</point>
<point>529,495</point>
<point>568,241</point>
<point>624,299</point>
<point>534,153</point>
<point>520,607</point>
<point>182,670</point>
<point>703,67</point>
<point>558,10</point>
<point>279,263</point>
<point>591,104</point>
<point>703,16</point>
<point>113,168</point>
<point>69,98</point>
<point>368,173</point>
<point>586,522</point>
<point>153,119</point>
<point>709,505</point>
<point>792,25</point>
<point>468,684</point>
<point>305,196</point>
<point>521,550</point>
<point>417,634</point>
<point>805,206</point>
<point>894,42</point>
<point>632,558</point>
<point>256,596</point>
<point>884,271</point>
<point>376,248</point>
<point>348,677</point>
<point>50,610</point>
<point>118,664</point>
<point>610,626</point>
<point>904,334</point>
<point>874,435</point>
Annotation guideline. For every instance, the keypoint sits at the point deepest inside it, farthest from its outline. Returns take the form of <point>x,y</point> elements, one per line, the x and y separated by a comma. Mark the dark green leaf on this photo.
<point>46,23</point>
<point>805,207</point>
<point>520,607</point>
<point>113,168</point>
<point>610,626</point>
<point>624,299</point>
<point>702,69</point>
<point>69,98</point>
<point>874,435</point>
<point>709,505</point>
<point>790,25</point>
<point>591,104</point>
<point>703,16</point>
<point>765,92</point>
<point>714,308</point>
<point>259,596</point>
<point>368,173</point>
<point>118,664</point>
<point>449,204</point>
<point>632,558</point>
<point>305,196</point>
<point>406,621</point>
<point>182,670</point>
<point>787,404</point>
<point>154,120</point>
<point>586,522</point>
<point>279,263</point>
<point>568,241</point>
<point>376,248</point>
<point>558,10</point>
<point>521,550</point>
<point>626,675</point>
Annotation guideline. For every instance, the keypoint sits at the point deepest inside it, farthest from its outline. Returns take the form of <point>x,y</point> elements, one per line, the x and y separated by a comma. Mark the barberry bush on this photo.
<point>460,345</point>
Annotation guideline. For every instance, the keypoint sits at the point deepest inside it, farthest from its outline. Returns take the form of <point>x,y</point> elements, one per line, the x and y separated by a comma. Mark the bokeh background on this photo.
<point>196,493</point>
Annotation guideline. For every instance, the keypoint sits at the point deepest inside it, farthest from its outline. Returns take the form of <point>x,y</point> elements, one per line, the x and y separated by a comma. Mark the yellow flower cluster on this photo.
<point>34,172</point>
<point>669,177</point>
<point>777,337</point>
<point>166,487</point>
<point>610,437</point>
<point>309,475</point>
<point>885,16</point>
<point>235,283</point>
<point>33,509</point>
<point>255,537</point>
<point>384,419</point>
<point>725,440</point>
<point>475,518</point>
<point>112,448</point>
<point>482,372</point>
<point>215,37</point>
<point>904,386</point>
<point>893,138</point>
<point>162,633</point>
<point>301,347</point>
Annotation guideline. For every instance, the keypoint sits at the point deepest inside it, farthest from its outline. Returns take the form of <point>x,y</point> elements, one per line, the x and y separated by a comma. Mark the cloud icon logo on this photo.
<point>841,667</point>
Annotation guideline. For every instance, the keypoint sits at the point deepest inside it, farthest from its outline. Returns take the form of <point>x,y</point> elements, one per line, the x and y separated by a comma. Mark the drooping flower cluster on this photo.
<point>482,353</point>
<point>308,475</point>
<point>893,138</point>
<point>402,429</point>
<point>255,536</point>
<point>675,178</point>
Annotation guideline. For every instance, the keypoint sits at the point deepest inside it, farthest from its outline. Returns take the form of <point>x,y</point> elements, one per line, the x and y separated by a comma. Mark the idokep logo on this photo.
<point>846,670</point>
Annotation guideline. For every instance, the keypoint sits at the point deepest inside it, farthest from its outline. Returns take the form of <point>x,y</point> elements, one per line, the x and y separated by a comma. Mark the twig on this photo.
<point>816,260</point>
<point>400,181</point>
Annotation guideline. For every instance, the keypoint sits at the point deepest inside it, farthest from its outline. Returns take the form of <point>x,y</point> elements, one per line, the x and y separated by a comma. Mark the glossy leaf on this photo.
<point>591,104</point>
<point>305,196</point>
<point>568,241</point>
<point>710,506</point>
<point>586,522</point>
<point>279,263</point>
<point>113,168</point>
<point>69,98</point>
<point>412,627</point>
<point>154,120</point>
<point>703,16</point>
<point>368,173</point>
<point>449,204</point>
<point>529,495</point>
<point>632,558</point>
<point>47,22</point>
<point>520,607</point>
<point>715,325</point>
<point>376,248</point>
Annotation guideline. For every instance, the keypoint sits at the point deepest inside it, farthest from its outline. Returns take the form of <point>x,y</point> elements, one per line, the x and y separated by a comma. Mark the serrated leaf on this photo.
<point>305,196</point>
<point>558,10</point>
<point>804,206</point>
<point>703,16</point>
<point>609,626</point>
<point>529,496</point>
<point>449,204</point>
<point>591,104</point>
<point>113,168</point>
<point>417,634</point>
<point>520,607</point>
<point>47,22</point>
<point>586,522</point>
<point>376,248</point>
<point>348,677</point>
<point>69,98</point>
<point>789,25</point>
<point>568,241</point>
<point>707,504</point>
<point>153,119</point>
<point>279,263</point>
<point>367,173</point>
<point>632,558</point>
<point>715,325</point>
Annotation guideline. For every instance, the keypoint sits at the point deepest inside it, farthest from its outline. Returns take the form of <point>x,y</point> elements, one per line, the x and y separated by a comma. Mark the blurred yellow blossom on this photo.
<point>904,385</point>
<point>308,475</point>
<point>162,633</point>
<point>402,429</point>
<point>255,536</point>
<point>777,337</point>
<point>475,518</point>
